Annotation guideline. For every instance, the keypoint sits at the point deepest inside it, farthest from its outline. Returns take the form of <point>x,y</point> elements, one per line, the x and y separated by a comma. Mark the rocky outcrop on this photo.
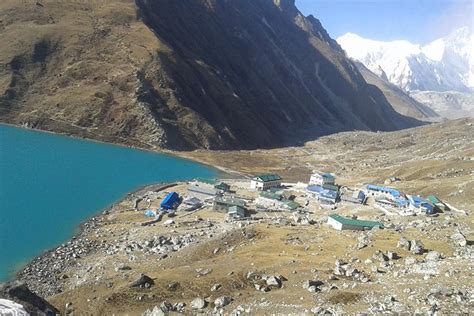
<point>33,304</point>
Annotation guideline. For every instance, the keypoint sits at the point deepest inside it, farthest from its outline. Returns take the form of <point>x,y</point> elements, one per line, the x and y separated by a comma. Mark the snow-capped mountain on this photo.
<point>446,64</point>
<point>439,74</point>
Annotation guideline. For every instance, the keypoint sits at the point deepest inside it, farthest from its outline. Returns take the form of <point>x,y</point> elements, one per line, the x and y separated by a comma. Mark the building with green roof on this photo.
<point>265,181</point>
<point>437,203</point>
<point>342,223</point>
<point>222,204</point>
<point>270,195</point>
<point>292,205</point>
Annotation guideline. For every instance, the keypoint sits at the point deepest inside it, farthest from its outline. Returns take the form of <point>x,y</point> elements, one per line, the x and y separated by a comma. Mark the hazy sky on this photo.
<point>419,21</point>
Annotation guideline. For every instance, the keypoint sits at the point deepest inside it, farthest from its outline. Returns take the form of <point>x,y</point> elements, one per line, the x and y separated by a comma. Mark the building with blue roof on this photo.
<point>314,189</point>
<point>378,189</point>
<point>416,200</point>
<point>170,202</point>
<point>328,196</point>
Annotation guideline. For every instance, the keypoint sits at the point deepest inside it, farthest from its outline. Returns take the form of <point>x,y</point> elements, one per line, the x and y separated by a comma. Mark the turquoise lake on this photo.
<point>49,184</point>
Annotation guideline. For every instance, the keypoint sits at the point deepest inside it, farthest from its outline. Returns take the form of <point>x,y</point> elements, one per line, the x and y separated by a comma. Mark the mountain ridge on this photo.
<point>182,75</point>
<point>439,75</point>
<point>446,64</point>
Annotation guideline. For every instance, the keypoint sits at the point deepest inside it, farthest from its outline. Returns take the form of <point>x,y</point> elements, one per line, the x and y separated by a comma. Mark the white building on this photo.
<point>341,223</point>
<point>265,182</point>
<point>201,192</point>
<point>322,179</point>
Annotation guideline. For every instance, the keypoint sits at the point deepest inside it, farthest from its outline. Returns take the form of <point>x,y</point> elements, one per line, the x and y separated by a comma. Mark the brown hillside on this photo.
<point>181,74</point>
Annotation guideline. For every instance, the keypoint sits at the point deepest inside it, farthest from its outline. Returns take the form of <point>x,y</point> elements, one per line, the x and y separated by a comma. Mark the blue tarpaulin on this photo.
<point>170,201</point>
<point>150,213</point>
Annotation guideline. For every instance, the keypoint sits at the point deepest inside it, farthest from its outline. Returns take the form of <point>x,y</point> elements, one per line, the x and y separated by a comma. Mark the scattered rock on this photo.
<point>410,261</point>
<point>198,303</point>
<point>123,267</point>
<point>166,306</point>
<point>223,301</point>
<point>168,222</point>
<point>173,286</point>
<point>417,247</point>
<point>379,255</point>
<point>274,281</point>
<point>312,286</point>
<point>404,244</point>
<point>203,272</point>
<point>459,239</point>
<point>156,311</point>
<point>216,287</point>
<point>433,256</point>
<point>363,241</point>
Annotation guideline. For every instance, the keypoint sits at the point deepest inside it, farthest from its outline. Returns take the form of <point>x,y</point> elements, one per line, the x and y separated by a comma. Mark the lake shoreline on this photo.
<point>171,168</point>
<point>41,268</point>
<point>156,150</point>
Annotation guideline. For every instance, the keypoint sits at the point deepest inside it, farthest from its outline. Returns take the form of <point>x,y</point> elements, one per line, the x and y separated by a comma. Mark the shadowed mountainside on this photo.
<point>182,74</point>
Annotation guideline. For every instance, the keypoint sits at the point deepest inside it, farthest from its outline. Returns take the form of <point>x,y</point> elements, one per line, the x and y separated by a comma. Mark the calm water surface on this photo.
<point>49,184</point>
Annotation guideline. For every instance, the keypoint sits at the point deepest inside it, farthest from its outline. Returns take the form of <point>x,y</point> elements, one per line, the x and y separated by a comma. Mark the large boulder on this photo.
<point>404,244</point>
<point>19,293</point>
<point>417,247</point>
<point>198,303</point>
<point>223,301</point>
<point>143,281</point>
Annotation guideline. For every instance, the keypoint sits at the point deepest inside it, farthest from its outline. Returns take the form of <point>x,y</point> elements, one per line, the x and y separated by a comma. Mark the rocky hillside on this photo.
<point>181,74</point>
<point>450,104</point>
<point>399,99</point>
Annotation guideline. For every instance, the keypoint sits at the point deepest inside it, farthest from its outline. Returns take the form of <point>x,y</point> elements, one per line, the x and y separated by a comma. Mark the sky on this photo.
<point>418,21</point>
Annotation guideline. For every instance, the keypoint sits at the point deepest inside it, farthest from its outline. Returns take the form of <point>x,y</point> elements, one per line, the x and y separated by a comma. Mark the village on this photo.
<point>258,245</point>
<point>247,199</point>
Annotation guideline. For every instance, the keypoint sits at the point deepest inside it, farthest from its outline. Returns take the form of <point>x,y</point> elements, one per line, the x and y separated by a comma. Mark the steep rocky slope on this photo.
<point>450,104</point>
<point>401,101</point>
<point>181,74</point>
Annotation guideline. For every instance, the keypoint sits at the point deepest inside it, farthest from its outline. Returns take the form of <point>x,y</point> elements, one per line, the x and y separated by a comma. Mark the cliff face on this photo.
<point>182,74</point>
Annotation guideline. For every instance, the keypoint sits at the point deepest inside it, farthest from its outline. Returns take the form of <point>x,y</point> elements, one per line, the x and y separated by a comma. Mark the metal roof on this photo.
<point>314,188</point>
<point>222,186</point>
<point>237,209</point>
<point>229,201</point>
<point>192,201</point>
<point>433,199</point>
<point>202,190</point>
<point>267,177</point>
<point>292,205</point>
<point>328,194</point>
<point>330,187</point>
<point>379,188</point>
<point>355,222</point>
<point>270,195</point>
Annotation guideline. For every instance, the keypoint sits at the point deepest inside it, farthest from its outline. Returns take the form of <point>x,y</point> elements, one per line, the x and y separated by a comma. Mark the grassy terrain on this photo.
<point>435,159</point>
